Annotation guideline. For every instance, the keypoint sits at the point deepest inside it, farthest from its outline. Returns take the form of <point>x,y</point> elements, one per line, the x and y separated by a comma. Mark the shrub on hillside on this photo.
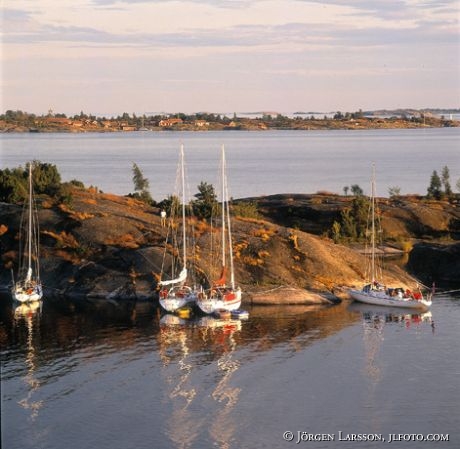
<point>14,182</point>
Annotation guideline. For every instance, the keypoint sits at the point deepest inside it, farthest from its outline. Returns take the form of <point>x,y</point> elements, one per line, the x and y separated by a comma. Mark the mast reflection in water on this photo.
<point>28,314</point>
<point>118,374</point>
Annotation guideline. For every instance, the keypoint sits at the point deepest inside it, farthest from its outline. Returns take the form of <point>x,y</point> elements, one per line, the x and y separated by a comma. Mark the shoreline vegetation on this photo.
<point>302,249</point>
<point>20,122</point>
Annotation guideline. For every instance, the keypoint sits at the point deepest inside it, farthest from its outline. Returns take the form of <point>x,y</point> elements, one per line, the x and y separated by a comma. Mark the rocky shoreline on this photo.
<point>111,247</point>
<point>85,124</point>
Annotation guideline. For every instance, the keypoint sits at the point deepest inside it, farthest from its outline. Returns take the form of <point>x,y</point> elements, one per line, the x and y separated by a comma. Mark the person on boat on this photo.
<point>163,218</point>
<point>377,286</point>
<point>417,295</point>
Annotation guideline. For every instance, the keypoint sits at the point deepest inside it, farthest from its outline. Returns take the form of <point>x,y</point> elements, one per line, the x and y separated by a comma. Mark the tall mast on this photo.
<point>30,220</point>
<point>183,204</point>
<point>223,206</point>
<point>230,244</point>
<point>373,224</point>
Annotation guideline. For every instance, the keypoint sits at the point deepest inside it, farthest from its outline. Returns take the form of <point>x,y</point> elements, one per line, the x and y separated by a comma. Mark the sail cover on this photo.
<point>223,278</point>
<point>182,277</point>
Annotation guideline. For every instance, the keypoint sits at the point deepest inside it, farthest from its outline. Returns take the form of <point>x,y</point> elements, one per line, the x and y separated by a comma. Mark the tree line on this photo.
<point>351,226</point>
<point>21,118</point>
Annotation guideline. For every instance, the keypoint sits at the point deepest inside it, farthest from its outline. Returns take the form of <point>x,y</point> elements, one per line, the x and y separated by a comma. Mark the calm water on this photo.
<point>117,375</point>
<point>259,163</point>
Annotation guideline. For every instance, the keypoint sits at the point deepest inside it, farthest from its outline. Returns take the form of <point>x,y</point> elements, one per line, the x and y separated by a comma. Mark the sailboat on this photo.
<point>374,291</point>
<point>176,292</point>
<point>28,287</point>
<point>223,295</point>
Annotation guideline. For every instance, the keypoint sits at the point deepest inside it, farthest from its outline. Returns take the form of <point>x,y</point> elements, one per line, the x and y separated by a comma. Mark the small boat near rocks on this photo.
<point>374,291</point>
<point>28,287</point>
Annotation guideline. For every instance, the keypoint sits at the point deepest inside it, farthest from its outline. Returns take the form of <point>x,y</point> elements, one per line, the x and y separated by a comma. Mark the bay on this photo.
<point>117,375</point>
<point>259,163</point>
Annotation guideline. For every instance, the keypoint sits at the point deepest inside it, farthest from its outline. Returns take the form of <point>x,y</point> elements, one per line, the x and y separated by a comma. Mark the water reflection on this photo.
<point>379,323</point>
<point>201,358</point>
<point>374,321</point>
<point>185,374</point>
<point>217,344</point>
<point>223,426</point>
<point>29,315</point>
<point>373,315</point>
<point>174,353</point>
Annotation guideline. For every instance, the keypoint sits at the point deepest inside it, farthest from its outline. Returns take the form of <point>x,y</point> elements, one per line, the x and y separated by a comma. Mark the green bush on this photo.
<point>245,209</point>
<point>14,183</point>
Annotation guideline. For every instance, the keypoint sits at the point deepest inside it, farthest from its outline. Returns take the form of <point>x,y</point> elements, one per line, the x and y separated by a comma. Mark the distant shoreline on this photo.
<point>17,123</point>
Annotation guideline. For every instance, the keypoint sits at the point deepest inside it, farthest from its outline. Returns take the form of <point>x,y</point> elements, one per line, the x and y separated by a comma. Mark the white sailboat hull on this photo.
<point>27,295</point>
<point>228,301</point>
<point>176,298</point>
<point>171,304</point>
<point>380,298</point>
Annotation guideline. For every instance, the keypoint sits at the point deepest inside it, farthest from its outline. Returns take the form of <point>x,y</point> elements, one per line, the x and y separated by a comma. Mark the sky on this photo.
<point>106,57</point>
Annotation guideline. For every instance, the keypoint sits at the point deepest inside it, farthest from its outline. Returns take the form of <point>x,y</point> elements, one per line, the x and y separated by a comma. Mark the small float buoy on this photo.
<point>184,313</point>
<point>241,314</point>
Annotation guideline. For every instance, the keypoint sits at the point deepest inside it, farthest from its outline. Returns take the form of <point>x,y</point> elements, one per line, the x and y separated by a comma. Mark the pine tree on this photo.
<point>206,200</point>
<point>356,190</point>
<point>445,179</point>
<point>434,190</point>
<point>141,185</point>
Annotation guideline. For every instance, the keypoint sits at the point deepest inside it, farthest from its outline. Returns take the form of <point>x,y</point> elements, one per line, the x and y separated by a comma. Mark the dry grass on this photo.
<point>123,241</point>
<point>47,204</point>
<point>200,227</point>
<point>297,268</point>
<point>68,257</point>
<point>80,216</point>
<point>89,201</point>
<point>326,281</point>
<point>294,239</point>
<point>264,234</point>
<point>251,220</point>
<point>63,239</point>
<point>64,208</point>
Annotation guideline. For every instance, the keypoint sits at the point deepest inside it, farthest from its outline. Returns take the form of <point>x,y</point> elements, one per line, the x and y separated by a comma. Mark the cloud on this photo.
<point>243,36</point>
<point>219,3</point>
<point>355,23</point>
<point>14,15</point>
<point>261,52</point>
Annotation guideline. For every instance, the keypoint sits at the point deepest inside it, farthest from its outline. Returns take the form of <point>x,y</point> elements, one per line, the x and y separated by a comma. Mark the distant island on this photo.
<point>19,121</point>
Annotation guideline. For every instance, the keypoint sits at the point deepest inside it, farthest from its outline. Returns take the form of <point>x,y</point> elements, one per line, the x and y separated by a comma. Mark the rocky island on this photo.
<point>99,245</point>
<point>19,121</point>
